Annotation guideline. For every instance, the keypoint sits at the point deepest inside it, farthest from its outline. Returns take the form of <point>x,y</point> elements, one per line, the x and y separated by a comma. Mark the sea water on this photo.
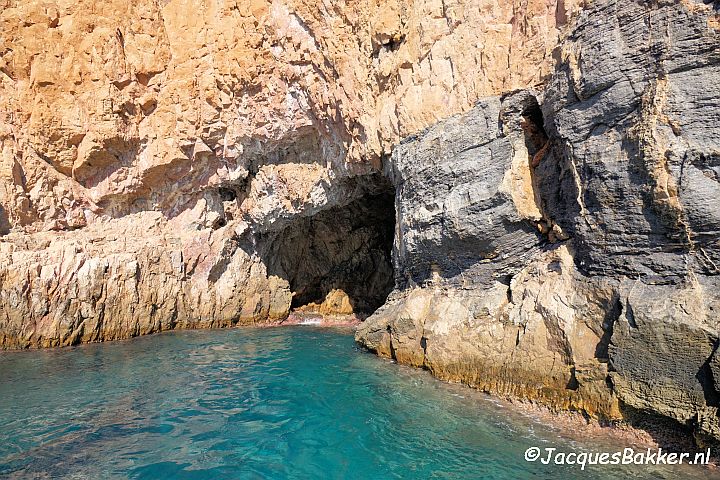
<point>274,403</point>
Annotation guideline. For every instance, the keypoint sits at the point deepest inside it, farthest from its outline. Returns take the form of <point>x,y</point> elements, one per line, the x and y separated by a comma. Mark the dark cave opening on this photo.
<point>536,138</point>
<point>346,248</point>
<point>4,222</point>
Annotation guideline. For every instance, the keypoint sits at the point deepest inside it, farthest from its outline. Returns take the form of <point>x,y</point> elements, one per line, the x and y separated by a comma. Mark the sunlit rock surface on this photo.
<point>534,184</point>
<point>584,276</point>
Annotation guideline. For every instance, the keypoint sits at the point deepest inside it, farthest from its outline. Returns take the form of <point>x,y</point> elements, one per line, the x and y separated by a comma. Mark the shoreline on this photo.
<point>301,319</point>
<point>576,427</point>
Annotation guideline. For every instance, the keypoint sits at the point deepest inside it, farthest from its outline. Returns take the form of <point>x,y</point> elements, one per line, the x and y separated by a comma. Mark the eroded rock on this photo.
<point>554,224</point>
<point>609,306</point>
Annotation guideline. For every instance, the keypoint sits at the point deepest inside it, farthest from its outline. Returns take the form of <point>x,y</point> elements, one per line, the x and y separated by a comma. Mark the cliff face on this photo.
<point>157,157</point>
<point>562,245</point>
<point>548,226</point>
<point>124,107</point>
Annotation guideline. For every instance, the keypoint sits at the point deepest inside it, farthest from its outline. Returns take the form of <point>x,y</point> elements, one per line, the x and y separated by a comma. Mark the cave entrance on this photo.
<point>536,138</point>
<point>339,261</point>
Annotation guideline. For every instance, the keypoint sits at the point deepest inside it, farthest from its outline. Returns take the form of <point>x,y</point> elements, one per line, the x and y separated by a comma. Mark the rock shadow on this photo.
<point>346,248</point>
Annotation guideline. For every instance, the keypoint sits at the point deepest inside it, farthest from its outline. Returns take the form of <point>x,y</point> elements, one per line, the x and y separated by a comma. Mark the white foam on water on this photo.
<point>311,321</point>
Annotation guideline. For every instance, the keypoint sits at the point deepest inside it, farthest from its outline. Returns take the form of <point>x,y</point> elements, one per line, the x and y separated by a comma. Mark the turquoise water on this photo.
<point>296,402</point>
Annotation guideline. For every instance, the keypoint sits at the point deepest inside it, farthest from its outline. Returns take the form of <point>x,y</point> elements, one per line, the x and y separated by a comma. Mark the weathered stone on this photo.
<point>190,164</point>
<point>610,304</point>
<point>188,144</point>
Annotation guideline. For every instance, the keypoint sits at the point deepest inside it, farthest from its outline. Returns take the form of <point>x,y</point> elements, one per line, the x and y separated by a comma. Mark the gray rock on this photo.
<point>455,219</point>
<point>605,297</point>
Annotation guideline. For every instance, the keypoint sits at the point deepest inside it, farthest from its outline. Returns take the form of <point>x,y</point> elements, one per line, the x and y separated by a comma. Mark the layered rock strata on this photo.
<point>560,244</point>
<point>548,226</point>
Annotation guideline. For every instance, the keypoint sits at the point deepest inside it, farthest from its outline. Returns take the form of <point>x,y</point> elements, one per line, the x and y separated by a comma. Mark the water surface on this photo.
<point>295,402</point>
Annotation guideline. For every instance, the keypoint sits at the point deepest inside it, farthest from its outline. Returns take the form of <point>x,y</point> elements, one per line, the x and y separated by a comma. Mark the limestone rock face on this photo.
<point>154,154</point>
<point>533,183</point>
<point>560,244</point>
<point>637,126</point>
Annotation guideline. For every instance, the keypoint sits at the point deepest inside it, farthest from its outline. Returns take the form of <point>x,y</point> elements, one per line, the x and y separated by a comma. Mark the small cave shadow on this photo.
<point>345,247</point>
<point>669,434</point>
<point>706,378</point>
<point>533,126</point>
<point>5,225</point>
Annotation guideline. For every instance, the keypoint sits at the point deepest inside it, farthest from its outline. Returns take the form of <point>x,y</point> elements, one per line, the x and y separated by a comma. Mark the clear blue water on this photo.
<point>296,402</point>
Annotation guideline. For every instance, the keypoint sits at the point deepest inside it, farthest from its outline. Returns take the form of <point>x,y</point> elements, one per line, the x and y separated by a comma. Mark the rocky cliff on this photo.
<point>561,244</point>
<point>534,184</point>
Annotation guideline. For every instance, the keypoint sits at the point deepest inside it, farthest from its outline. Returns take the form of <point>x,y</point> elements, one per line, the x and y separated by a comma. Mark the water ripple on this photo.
<point>282,403</point>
